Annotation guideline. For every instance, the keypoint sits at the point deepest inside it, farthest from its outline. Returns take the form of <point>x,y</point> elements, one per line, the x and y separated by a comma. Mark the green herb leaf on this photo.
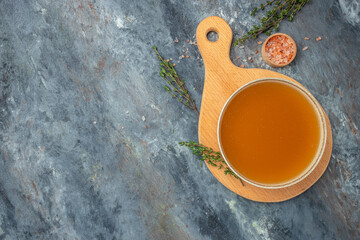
<point>280,11</point>
<point>212,157</point>
<point>175,86</point>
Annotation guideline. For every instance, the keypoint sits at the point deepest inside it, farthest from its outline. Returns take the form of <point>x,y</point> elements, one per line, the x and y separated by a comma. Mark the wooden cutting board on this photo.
<point>222,78</point>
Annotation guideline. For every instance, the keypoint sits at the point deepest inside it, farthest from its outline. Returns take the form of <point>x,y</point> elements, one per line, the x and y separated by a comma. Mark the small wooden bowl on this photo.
<point>267,60</point>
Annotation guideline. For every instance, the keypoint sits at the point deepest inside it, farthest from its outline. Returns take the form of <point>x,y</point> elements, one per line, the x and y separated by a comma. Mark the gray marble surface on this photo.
<point>88,136</point>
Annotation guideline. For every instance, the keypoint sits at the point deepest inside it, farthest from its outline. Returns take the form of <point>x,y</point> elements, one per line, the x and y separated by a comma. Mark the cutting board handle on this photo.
<point>218,52</point>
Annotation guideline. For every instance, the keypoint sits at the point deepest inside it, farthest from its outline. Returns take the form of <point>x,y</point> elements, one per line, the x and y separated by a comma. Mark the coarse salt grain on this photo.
<point>279,49</point>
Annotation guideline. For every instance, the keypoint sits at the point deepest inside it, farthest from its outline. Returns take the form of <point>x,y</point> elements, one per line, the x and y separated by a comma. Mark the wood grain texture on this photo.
<point>222,78</point>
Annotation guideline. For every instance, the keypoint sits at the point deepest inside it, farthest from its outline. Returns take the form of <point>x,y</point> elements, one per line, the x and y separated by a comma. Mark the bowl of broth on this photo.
<point>271,133</point>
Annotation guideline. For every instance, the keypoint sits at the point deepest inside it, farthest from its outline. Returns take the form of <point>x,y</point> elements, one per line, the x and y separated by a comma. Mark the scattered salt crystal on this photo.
<point>249,58</point>
<point>153,106</point>
<point>241,46</point>
<point>244,60</point>
<point>143,118</point>
<point>305,48</point>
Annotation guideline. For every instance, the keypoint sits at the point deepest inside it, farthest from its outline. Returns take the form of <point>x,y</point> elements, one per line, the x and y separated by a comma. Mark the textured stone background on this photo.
<point>78,162</point>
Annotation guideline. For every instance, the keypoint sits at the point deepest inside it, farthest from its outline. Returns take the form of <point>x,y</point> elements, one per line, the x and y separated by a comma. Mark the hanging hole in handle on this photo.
<point>212,36</point>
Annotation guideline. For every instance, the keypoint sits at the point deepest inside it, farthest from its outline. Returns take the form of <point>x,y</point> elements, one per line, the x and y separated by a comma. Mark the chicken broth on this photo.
<point>270,132</point>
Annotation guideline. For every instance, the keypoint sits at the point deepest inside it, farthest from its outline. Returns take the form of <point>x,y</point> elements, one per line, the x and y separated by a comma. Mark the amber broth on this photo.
<point>270,132</point>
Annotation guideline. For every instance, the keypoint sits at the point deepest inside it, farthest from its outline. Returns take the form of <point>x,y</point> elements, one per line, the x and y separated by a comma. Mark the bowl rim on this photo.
<point>267,60</point>
<point>319,153</point>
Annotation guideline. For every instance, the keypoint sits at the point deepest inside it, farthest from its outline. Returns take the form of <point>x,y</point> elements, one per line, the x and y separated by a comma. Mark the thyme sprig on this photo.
<point>210,156</point>
<point>175,86</point>
<point>283,9</point>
